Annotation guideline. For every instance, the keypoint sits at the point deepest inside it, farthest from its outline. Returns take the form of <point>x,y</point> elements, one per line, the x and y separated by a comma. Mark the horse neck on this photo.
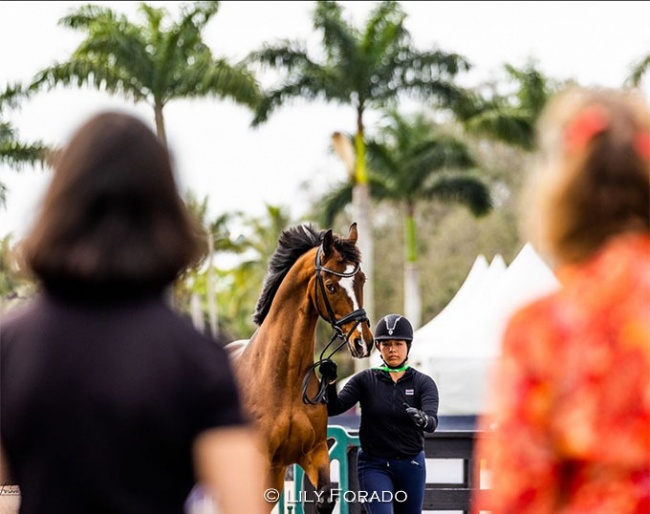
<point>289,329</point>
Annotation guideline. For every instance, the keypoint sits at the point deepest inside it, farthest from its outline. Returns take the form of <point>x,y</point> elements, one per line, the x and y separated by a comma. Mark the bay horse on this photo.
<point>312,274</point>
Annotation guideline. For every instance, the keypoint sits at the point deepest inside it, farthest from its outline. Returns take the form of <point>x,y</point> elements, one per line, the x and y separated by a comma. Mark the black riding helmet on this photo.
<point>394,326</point>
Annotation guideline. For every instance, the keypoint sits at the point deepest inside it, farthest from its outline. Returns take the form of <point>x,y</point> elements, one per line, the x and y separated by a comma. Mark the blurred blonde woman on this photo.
<point>571,395</point>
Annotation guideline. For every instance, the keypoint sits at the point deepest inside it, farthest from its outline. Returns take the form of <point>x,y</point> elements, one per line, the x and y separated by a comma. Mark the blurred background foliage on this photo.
<point>493,122</point>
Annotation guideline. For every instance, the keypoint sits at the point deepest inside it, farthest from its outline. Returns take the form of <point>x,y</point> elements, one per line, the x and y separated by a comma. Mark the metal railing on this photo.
<point>344,444</point>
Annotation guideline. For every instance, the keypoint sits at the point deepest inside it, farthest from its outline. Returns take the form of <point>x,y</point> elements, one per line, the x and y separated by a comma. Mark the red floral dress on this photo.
<point>571,411</point>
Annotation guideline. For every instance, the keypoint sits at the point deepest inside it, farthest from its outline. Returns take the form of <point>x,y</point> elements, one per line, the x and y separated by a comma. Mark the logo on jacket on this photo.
<point>409,392</point>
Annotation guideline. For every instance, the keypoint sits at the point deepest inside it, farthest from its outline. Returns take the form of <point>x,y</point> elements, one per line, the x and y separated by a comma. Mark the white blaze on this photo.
<point>347,283</point>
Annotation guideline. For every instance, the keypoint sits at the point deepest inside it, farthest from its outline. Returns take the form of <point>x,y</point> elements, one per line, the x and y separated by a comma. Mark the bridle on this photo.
<point>357,316</point>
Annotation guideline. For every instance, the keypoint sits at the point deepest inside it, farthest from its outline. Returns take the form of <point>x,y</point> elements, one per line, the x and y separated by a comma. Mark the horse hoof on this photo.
<point>325,506</point>
<point>326,502</point>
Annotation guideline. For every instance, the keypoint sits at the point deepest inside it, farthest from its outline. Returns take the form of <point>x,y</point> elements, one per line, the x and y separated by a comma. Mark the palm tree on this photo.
<point>199,280</point>
<point>15,283</point>
<point>156,61</point>
<point>259,242</point>
<point>416,161</point>
<point>366,69</point>
<point>8,269</point>
<point>638,71</point>
<point>13,152</point>
<point>508,117</point>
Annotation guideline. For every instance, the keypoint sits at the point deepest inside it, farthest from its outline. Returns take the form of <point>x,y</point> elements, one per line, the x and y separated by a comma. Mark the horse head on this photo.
<point>338,291</point>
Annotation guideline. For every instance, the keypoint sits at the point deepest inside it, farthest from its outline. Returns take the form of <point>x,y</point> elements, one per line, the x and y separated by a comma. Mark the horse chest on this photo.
<point>296,431</point>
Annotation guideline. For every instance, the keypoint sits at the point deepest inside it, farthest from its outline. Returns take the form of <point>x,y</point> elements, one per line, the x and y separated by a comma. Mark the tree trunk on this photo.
<point>160,131</point>
<point>412,297</point>
<point>160,122</point>
<point>361,210</point>
<point>212,301</point>
<point>196,312</point>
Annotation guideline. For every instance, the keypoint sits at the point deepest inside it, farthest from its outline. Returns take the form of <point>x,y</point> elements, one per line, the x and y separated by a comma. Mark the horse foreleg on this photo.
<point>275,485</point>
<point>317,468</point>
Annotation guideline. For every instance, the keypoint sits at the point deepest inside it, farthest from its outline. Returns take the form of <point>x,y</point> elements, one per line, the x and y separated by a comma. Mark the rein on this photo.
<point>358,316</point>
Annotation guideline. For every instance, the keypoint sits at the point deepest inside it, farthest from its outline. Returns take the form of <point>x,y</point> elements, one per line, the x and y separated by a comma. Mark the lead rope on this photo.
<point>321,395</point>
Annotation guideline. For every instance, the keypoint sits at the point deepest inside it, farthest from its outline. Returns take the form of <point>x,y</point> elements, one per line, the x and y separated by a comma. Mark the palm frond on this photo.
<point>121,52</point>
<point>334,202</point>
<point>83,72</point>
<point>221,79</point>
<point>380,158</point>
<point>439,93</point>
<point>469,191</point>
<point>7,132</point>
<point>385,29</point>
<point>431,65</point>
<point>442,152</point>
<point>198,14</point>
<point>18,155</point>
<point>12,95</point>
<point>83,17</point>
<point>339,38</point>
<point>506,124</point>
<point>638,71</point>
<point>308,87</point>
<point>287,55</point>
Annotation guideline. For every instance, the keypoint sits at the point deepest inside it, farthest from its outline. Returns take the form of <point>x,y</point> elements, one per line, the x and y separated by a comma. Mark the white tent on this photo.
<point>459,346</point>
<point>465,295</point>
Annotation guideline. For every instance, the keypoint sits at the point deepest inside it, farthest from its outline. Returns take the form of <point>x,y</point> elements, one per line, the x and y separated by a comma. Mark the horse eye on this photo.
<point>331,288</point>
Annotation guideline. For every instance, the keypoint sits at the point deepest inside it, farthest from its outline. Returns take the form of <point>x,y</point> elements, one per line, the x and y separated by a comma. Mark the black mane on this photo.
<point>294,242</point>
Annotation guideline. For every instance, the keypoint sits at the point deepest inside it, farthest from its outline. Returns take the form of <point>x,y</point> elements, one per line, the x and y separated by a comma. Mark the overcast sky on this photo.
<point>216,151</point>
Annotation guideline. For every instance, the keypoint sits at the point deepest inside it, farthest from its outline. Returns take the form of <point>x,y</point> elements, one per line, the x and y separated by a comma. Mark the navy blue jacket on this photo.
<point>386,429</point>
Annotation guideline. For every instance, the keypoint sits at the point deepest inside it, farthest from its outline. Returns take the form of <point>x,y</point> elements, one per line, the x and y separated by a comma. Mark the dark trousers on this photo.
<point>392,486</point>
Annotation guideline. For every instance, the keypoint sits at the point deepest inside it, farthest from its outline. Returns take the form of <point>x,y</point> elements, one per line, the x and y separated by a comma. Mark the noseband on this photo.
<point>358,316</point>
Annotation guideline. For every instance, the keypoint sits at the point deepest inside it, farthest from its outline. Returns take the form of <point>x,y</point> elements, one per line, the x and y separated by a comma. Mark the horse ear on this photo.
<point>328,243</point>
<point>353,235</point>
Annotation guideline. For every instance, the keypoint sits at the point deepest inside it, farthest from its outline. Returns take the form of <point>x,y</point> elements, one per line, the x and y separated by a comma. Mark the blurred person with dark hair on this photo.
<point>110,402</point>
<point>569,429</point>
